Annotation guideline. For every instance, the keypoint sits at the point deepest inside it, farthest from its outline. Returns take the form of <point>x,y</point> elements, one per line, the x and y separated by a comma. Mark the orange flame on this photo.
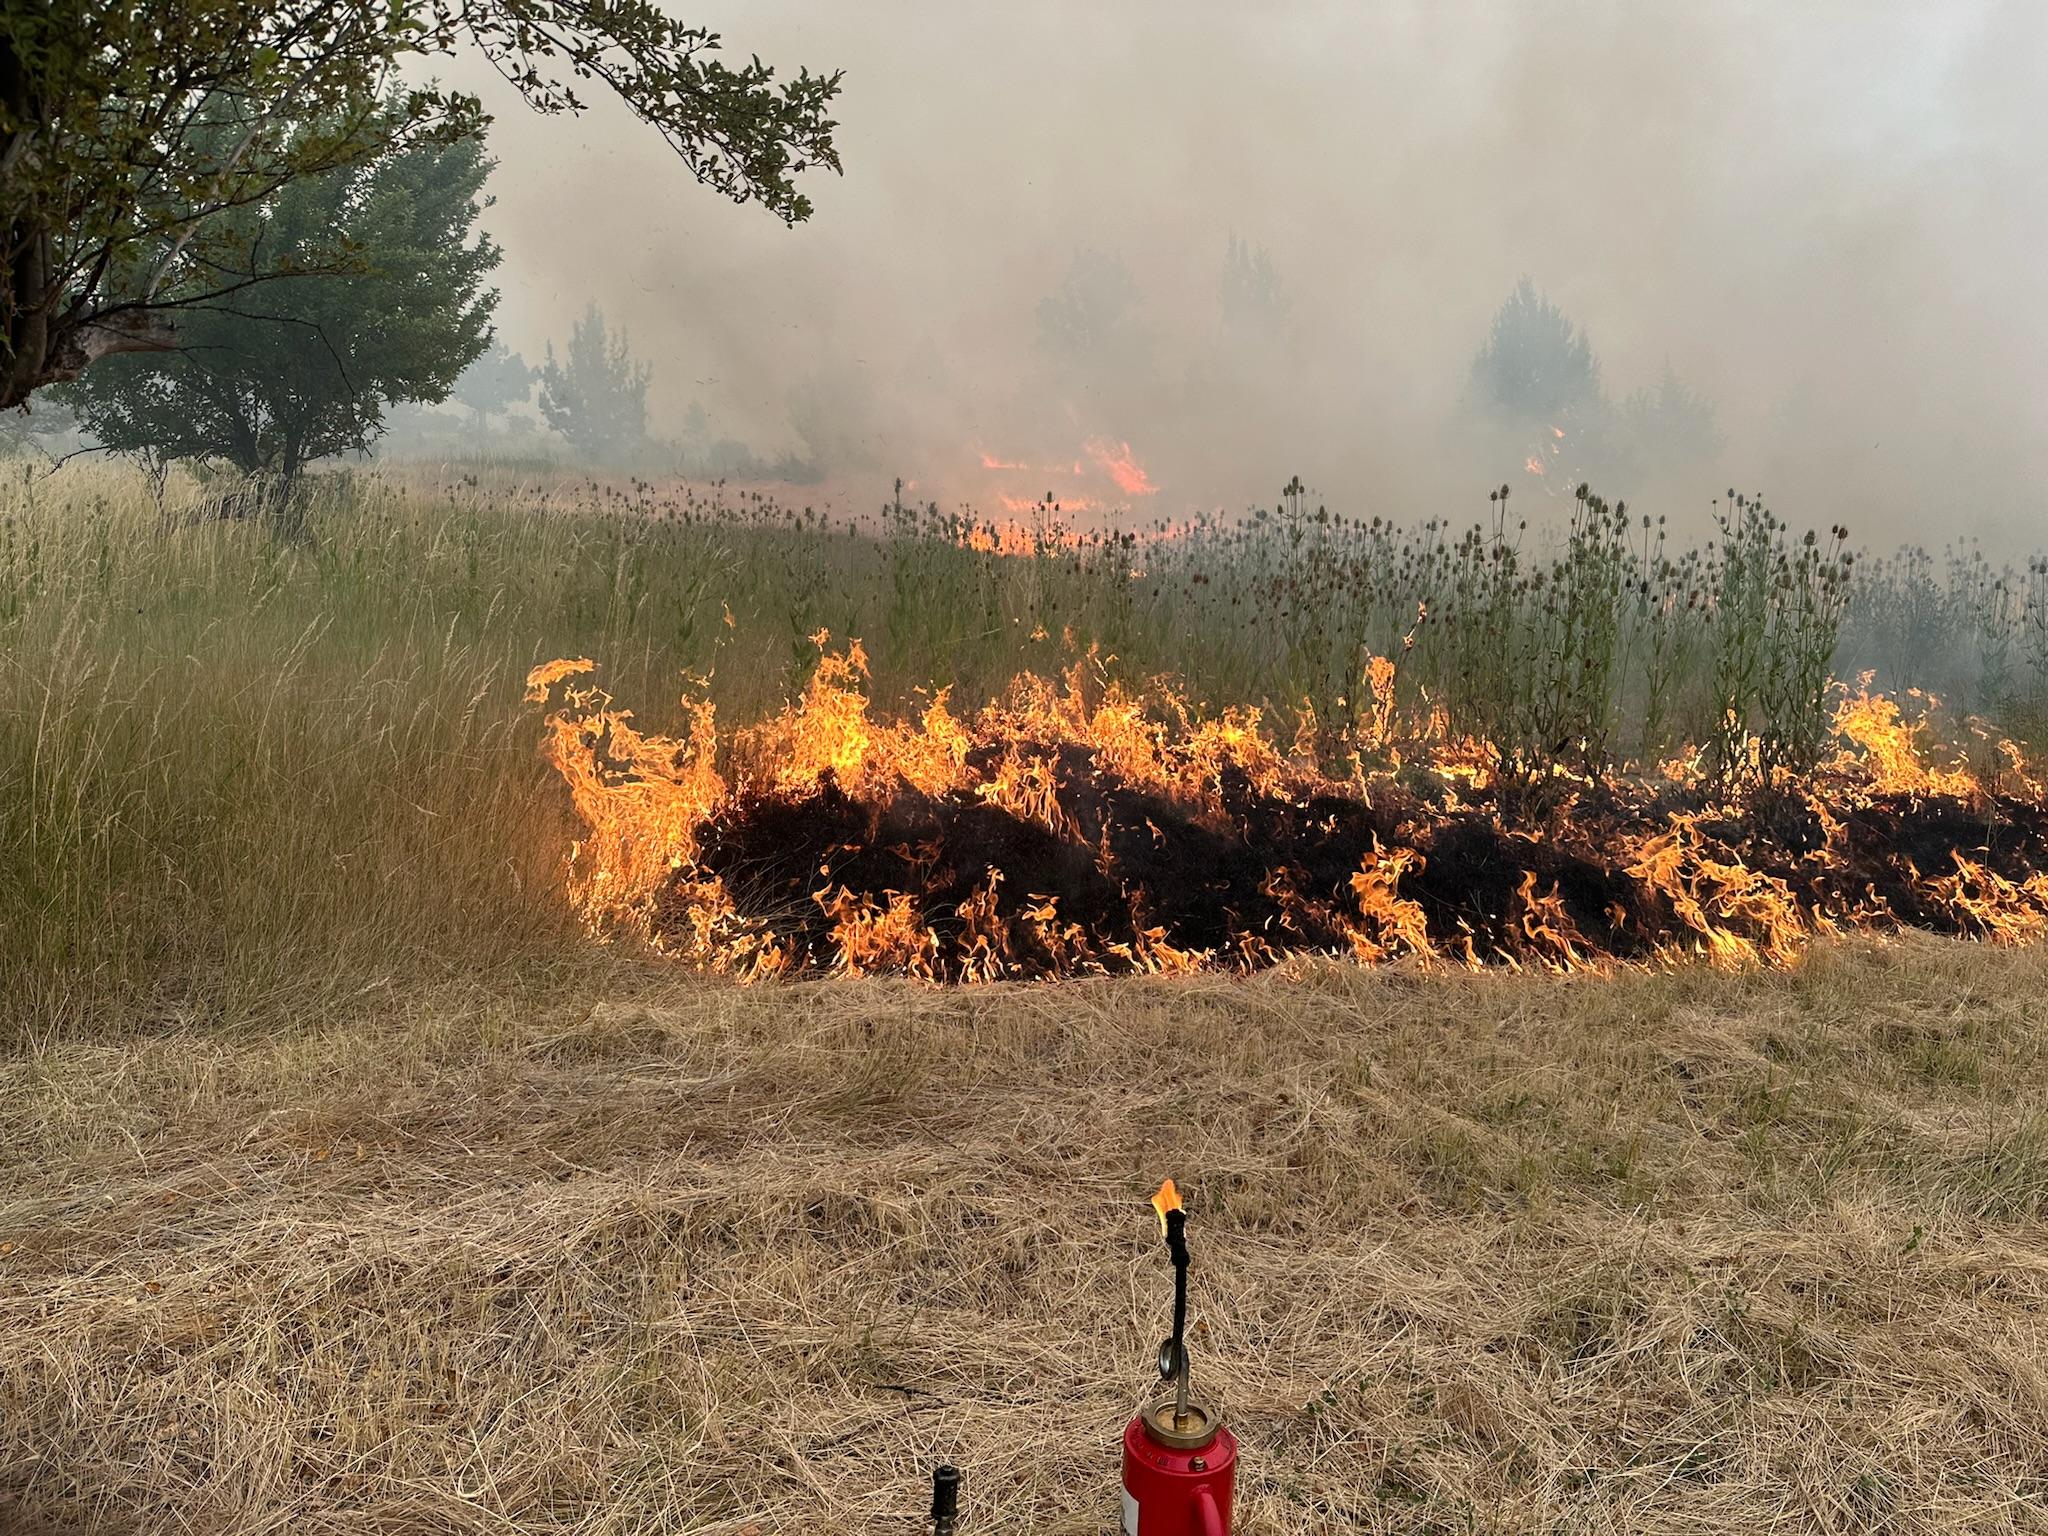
<point>1890,746</point>
<point>1113,784</point>
<point>1167,1199</point>
<point>1118,462</point>
<point>1113,458</point>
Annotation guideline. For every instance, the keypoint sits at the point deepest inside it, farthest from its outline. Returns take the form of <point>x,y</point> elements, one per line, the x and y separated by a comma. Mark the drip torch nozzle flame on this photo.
<point>1168,1199</point>
<point>945,1500</point>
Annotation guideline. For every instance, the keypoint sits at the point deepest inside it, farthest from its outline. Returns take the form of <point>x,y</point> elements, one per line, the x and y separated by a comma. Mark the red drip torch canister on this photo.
<point>1180,1461</point>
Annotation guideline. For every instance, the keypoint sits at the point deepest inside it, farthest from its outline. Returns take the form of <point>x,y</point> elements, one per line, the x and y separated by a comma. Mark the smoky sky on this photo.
<point>1827,218</point>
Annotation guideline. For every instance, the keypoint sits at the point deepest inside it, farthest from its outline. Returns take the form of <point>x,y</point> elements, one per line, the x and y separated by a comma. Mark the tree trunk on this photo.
<point>45,345</point>
<point>27,310</point>
<point>45,348</point>
<point>286,504</point>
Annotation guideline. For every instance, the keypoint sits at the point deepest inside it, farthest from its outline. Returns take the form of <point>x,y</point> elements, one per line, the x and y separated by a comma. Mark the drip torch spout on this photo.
<point>1177,1248</point>
<point>945,1500</point>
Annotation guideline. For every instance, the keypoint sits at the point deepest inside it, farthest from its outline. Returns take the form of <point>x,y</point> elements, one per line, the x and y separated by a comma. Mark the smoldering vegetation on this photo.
<point>1139,882</point>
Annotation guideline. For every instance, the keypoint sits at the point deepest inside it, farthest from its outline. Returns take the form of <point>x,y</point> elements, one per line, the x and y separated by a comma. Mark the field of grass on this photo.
<point>346,1186</point>
<point>1662,1252</point>
<point>244,781</point>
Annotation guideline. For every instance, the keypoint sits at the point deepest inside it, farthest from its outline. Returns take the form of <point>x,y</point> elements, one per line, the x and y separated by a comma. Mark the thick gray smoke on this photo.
<point>1827,218</point>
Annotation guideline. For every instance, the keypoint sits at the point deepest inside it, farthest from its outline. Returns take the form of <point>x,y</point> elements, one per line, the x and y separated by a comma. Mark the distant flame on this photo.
<point>1121,465</point>
<point>1113,459</point>
<point>1168,1199</point>
<point>1019,505</point>
<point>1534,465</point>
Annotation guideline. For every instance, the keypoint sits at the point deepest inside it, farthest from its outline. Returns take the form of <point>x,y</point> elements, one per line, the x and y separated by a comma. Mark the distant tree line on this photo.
<point>1535,397</point>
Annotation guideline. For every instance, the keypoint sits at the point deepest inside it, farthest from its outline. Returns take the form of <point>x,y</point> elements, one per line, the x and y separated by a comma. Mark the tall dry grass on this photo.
<point>243,781</point>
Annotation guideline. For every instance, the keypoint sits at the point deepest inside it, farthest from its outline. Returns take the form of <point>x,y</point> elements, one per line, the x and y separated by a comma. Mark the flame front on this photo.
<point>1168,1199</point>
<point>1076,826</point>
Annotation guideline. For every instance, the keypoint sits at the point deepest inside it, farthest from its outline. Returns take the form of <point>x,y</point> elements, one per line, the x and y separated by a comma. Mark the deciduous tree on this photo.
<point>303,367</point>
<point>1089,316</point>
<point>495,382</point>
<point>130,135</point>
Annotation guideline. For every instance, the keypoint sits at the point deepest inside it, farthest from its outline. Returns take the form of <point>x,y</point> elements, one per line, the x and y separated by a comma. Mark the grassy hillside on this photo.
<point>1666,1252</point>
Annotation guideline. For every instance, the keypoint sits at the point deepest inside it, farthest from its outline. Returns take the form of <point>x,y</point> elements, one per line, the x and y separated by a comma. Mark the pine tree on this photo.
<point>1671,426</point>
<point>596,395</point>
<point>1536,365</point>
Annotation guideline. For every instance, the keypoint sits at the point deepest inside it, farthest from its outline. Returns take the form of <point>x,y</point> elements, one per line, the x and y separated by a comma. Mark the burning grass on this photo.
<point>1079,827</point>
<point>243,781</point>
<point>1659,1252</point>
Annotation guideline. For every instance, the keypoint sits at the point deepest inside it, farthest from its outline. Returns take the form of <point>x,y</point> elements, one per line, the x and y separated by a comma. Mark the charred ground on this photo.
<point>1257,875</point>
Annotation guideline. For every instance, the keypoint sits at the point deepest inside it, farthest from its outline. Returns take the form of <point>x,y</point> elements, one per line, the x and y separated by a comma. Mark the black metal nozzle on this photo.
<point>1177,1238</point>
<point>945,1499</point>
<point>1177,1248</point>
<point>1172,1356</point>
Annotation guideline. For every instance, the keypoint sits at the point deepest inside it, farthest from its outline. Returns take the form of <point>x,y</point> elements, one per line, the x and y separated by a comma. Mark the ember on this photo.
<point>1076,827</point>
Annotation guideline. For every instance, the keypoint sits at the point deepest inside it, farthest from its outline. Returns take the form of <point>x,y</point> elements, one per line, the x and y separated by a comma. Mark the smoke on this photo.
<point>1825,218</point>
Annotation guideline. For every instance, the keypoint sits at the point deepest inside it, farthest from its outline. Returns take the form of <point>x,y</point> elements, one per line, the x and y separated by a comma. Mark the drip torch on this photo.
<point>1180,1461</point>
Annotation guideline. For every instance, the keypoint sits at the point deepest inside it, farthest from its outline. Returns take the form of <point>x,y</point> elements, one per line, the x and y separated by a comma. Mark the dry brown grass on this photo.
<point>1678,1252</point>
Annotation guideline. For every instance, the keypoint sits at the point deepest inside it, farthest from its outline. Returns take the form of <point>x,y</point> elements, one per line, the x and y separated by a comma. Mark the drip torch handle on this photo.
<point>945,1500</point>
